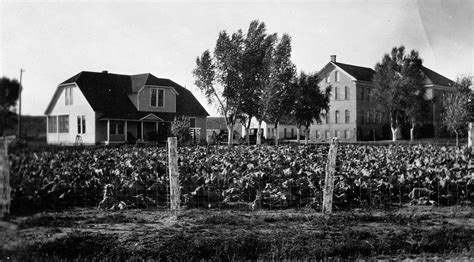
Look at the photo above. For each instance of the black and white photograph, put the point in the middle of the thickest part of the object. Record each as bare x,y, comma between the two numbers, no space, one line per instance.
270,130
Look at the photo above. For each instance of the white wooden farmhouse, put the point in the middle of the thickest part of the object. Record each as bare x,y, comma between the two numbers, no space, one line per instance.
100,107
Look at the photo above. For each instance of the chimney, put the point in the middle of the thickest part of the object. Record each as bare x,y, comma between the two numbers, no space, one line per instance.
105,72
333,58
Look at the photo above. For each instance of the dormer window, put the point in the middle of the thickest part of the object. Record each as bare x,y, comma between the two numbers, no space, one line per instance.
157,98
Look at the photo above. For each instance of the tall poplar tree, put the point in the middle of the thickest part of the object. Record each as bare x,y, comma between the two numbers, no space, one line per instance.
398,87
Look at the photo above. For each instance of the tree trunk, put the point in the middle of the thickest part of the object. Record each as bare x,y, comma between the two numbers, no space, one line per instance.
394,126
247,135
230,136
457,138
247,130
394,133
259,133
277,133
412,131
306,136
298,130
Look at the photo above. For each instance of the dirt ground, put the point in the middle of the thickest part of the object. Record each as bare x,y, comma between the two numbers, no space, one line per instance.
401,233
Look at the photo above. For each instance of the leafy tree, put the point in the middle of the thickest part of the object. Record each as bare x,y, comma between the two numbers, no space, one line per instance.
255,67
309,102
464,83
398,87
9,91
412,82
180,129
279,97
219,77
455,115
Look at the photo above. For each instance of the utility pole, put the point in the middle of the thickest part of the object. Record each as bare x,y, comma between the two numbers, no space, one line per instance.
19,104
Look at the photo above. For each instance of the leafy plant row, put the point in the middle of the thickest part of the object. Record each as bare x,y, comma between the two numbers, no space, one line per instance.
267,176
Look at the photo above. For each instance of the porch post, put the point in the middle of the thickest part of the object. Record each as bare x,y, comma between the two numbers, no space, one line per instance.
126,130
108,130
143,139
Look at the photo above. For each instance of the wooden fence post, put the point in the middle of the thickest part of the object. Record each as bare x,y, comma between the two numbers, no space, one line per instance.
4,181
174,175
329,180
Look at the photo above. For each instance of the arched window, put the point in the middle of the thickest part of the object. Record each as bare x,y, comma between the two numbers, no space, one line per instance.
336,76
348,116
346,93
337,116
336,93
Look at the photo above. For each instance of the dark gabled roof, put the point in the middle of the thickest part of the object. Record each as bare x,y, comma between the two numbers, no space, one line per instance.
436,78
358,72
108,94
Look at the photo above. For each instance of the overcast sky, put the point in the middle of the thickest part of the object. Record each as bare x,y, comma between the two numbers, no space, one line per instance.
56,40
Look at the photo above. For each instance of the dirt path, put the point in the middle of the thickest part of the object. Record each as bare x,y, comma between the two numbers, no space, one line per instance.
231,234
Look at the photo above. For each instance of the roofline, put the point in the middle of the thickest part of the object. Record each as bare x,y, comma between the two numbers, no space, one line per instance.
56,96
159,118
351,76
131,120
338,67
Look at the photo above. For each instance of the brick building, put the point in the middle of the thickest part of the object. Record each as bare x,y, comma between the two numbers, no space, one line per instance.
353,116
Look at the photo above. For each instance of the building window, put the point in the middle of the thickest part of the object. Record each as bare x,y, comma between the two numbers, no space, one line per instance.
327,134
336,93
348,116
192,122
347,134
337,116
52,124
326,116
368,93
336,76
362,94
157,98
368,117
327,79
375,116
318,134
362,117
284,132
68,95
63,124
81,124
116,128
336,133
346,93
292,133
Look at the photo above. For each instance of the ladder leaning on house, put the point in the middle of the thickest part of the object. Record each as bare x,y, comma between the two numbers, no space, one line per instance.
78,141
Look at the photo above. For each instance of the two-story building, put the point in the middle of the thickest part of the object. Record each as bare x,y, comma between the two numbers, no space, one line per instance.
354,116
101,107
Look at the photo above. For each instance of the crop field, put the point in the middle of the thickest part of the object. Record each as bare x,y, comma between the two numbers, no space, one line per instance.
389,201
